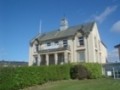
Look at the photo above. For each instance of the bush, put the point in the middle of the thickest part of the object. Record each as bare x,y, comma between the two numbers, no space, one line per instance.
86,70
20,77
95,70
79,72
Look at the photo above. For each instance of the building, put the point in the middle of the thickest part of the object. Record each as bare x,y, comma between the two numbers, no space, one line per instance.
80,43
111,70
118,46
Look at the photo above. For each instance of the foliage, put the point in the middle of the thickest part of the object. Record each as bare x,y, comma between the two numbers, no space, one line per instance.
95,70
79,72
20,77
86,70
16,78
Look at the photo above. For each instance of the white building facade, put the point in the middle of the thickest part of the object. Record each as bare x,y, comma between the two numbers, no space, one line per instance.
81,43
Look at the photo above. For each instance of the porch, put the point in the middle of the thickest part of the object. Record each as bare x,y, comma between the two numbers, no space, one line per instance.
56,58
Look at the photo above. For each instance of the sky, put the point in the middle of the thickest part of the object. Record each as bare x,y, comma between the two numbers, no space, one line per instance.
20,22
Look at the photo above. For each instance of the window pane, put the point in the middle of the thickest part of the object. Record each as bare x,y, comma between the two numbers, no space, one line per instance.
56,42
49,44
81,41
65,42
37,47
81,56
35,60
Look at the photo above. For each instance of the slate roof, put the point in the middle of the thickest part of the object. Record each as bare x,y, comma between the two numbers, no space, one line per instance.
71,31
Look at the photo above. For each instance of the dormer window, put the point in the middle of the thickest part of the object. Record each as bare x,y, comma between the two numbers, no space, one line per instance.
48,44
81,41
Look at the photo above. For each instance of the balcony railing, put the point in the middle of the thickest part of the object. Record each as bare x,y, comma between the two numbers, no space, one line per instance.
65,47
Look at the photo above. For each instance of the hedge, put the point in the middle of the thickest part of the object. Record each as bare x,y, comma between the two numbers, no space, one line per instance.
20,77
95,70
86,71
17,78
79,72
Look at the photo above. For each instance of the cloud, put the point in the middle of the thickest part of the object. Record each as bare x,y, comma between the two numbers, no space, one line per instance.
101,17
116,26
113,56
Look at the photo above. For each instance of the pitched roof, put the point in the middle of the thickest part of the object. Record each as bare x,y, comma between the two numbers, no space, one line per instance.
71,31
117,46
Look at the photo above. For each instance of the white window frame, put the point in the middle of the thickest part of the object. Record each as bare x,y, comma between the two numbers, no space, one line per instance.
81,39
48,44
65,42
79,57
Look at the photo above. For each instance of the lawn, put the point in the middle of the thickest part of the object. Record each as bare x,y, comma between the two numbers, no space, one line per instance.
96,84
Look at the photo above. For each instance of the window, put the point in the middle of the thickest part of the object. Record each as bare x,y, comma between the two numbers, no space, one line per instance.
95,40
81,41
99,46
65,44
96,55
56,42
48,44
81,56
35,60
37,47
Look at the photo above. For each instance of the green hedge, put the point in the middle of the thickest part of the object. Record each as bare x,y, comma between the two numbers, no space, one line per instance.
86,70
20,77
79,72
95,70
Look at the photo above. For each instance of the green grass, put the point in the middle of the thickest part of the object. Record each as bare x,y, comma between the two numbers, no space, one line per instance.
96,84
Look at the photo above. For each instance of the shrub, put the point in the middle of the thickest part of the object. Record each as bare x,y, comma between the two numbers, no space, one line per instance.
86,70
79,72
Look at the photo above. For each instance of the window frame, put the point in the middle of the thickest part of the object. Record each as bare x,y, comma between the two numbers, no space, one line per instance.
36,47
48,43
56,42
65,42
81,41
79,56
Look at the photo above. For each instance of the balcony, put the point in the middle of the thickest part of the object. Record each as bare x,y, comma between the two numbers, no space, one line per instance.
54,49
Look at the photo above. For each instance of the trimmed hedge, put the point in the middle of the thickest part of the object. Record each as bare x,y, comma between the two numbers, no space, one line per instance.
20,77
95,70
